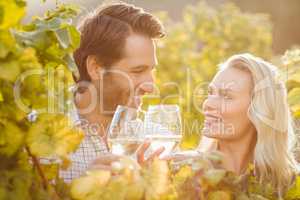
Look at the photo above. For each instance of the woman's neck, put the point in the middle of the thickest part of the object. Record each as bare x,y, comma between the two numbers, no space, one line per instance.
238,153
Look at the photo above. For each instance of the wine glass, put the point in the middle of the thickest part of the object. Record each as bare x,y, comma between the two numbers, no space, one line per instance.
162,126
125,131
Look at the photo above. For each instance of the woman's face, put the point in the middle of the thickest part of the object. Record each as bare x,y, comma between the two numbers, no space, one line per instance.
226,107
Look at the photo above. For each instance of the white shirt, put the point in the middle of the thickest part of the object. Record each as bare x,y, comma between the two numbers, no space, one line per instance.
91,147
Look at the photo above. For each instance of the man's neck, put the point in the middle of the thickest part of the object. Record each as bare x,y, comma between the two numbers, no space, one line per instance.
238,153
93,116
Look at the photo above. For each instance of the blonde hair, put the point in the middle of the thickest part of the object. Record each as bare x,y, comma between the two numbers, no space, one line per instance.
269,112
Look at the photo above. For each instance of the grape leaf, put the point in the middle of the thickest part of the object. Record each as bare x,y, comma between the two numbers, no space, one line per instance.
213,176
53,135
7,43
156,177
85,186
11,13
217,195
11,138
294,191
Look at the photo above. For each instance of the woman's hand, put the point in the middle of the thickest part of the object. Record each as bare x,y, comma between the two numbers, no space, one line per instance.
142,150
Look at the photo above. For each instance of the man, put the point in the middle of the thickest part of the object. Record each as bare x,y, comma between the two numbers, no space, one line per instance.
115,61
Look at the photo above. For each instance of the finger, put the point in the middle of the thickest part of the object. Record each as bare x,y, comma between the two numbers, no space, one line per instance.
106,159
99,167
156,153
141,151
174,158
168,157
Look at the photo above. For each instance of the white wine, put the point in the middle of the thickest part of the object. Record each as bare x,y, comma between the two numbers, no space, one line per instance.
169,142
124,146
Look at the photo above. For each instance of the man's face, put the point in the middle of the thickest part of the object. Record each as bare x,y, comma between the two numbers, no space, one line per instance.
126,81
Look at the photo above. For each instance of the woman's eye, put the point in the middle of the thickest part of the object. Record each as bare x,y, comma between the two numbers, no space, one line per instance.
227,96
209,91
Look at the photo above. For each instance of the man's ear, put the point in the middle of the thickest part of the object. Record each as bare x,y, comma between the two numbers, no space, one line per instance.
93,67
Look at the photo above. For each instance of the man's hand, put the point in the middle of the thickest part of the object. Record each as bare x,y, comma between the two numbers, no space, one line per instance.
105,161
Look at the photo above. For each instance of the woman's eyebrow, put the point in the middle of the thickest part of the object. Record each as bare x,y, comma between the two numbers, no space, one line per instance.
228,89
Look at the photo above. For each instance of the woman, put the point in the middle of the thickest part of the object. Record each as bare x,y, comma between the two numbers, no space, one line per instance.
247,119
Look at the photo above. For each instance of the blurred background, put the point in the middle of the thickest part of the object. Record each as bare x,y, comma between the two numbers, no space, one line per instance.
285,14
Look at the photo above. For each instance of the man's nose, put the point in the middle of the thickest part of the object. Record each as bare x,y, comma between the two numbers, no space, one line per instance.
147,86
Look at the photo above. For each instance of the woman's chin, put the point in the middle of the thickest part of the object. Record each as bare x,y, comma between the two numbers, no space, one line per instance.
216,134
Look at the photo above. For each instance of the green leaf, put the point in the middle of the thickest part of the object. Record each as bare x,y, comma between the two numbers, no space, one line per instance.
156,177
1,96
11,138
85,186
214,176
294,99
63,37
257,197
183,173
295,76
294,191
36,39
71,63
9,70
7,43
1,14
218,195
52,135
68,37
75,36
46,25
242,196
15,183
11,12
51,170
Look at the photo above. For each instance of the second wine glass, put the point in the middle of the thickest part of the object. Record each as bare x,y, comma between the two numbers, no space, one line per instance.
163,127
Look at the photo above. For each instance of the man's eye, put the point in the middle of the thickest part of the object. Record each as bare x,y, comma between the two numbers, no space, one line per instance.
137,71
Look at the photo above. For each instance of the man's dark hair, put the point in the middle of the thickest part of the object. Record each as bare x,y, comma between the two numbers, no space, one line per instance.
104,32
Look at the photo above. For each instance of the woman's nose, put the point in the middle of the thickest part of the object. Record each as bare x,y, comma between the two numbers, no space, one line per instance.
211,103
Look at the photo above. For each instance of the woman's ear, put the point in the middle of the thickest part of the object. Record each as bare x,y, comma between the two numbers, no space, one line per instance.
93,67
